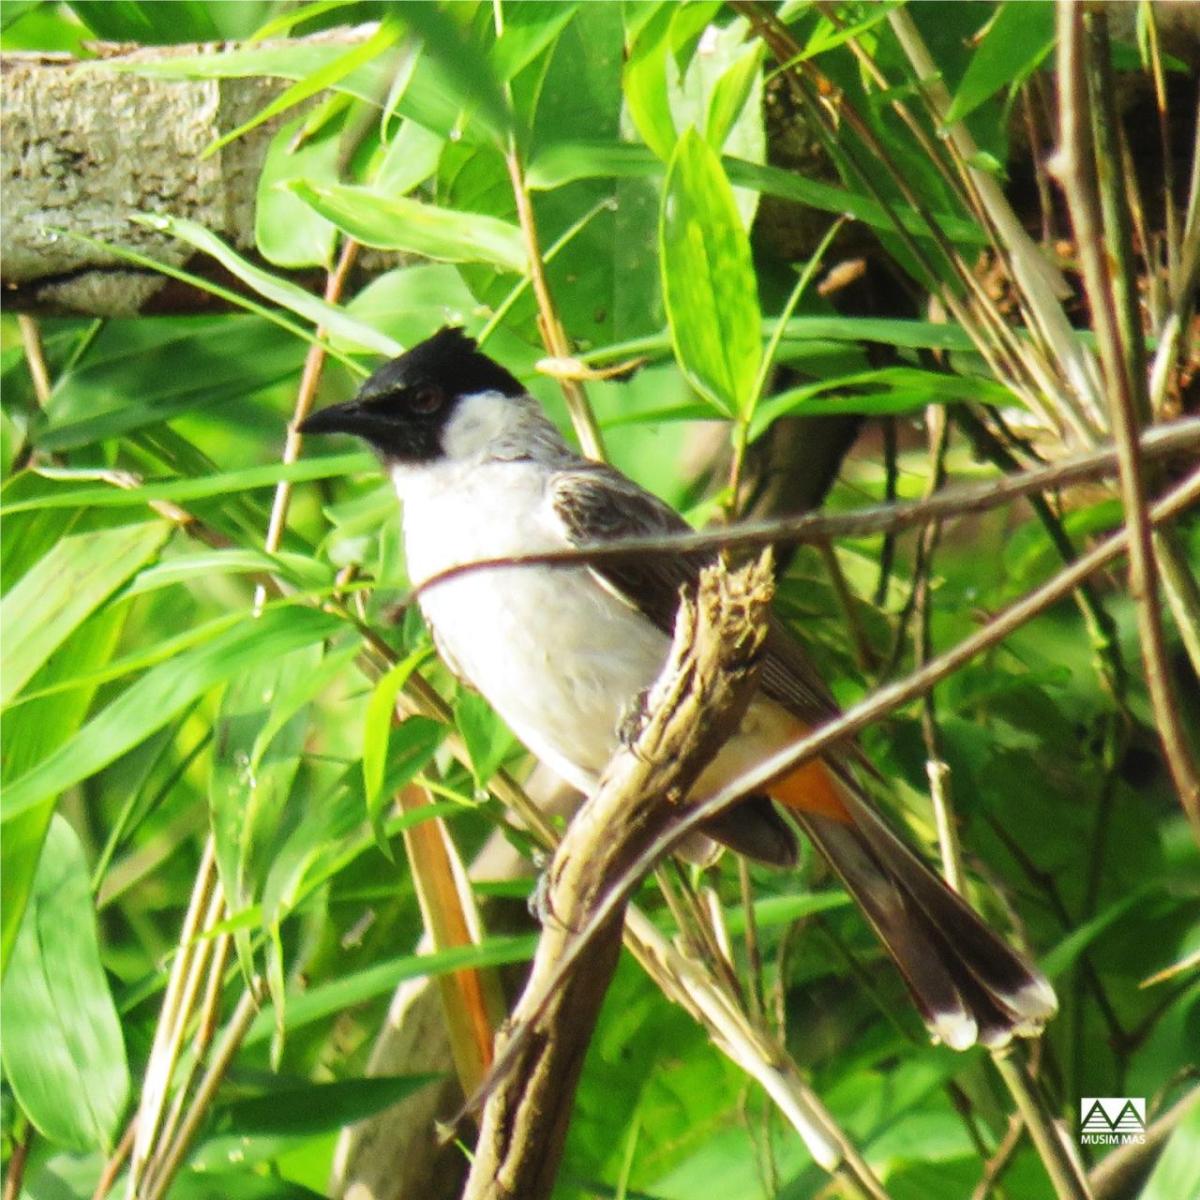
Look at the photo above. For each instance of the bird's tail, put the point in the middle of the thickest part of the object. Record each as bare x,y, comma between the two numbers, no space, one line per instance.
969,985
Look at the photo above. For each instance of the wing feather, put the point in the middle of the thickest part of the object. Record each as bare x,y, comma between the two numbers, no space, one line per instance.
597,504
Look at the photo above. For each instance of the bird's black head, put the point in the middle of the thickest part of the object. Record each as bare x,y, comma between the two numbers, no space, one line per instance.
404,408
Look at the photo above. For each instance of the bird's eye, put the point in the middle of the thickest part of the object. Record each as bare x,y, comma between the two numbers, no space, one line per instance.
426,399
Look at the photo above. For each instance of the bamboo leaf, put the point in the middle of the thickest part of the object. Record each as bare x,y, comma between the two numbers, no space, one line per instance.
400,223
377,728
708,282
63,588
308,1107
182,490
1018,38
64,1055
280,291
158,696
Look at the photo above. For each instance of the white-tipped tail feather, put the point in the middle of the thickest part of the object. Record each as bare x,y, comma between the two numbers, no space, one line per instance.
968,983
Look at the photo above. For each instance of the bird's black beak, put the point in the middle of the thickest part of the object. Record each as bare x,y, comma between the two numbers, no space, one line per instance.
350,417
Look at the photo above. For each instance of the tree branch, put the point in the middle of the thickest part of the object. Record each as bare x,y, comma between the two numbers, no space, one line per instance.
696,703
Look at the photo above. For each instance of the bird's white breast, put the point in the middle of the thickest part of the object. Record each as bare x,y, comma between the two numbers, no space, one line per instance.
558,656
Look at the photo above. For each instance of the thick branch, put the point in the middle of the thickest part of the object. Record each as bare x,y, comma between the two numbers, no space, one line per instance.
86,144
692,708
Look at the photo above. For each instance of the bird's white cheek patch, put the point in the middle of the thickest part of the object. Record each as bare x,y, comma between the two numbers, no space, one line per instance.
477,423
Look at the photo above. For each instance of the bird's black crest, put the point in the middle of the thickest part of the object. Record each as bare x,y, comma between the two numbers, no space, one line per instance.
403,408
450,360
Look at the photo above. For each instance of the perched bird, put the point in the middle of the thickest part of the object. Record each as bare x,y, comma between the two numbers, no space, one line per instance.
562,652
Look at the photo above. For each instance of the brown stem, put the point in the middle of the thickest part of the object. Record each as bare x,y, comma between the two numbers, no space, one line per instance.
553,334
1125,386
306,394
694,706
172,1160
811,527
35,358
15,1175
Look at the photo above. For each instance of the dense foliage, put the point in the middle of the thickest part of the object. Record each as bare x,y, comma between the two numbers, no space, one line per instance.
190,698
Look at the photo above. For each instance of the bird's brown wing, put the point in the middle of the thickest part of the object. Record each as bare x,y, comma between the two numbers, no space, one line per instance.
597,504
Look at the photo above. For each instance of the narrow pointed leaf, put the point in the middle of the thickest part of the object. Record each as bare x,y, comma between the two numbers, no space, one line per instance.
64,1055
399,223
63,588
708,279
151,702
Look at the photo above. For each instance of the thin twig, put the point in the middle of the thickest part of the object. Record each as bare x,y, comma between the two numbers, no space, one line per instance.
997,1163
1066,1176
1039,281
235,1031
168,1033
885,700
14,1177
811,527
554,336
112,1168
306,394
936,767
1100,245
35,357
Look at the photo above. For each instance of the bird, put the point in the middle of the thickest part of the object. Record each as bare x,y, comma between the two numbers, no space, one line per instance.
561,652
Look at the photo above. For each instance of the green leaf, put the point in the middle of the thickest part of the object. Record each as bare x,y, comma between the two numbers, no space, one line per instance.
487,738
300,569
280,291
332,72
252,775
888,390
151,702
464,69
562,162
287,232
529,27
381,978
729,96
377,728
1177,1172
64,1055
68,584
399,223
180,490
1018,38
1074,944
138,373
709,287
409,159
310,1107
646,84
32,730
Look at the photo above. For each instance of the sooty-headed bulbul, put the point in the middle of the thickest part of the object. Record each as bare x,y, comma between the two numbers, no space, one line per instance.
562,652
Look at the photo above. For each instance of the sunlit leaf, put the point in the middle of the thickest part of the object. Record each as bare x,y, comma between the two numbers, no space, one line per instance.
280,291
148,704
182,490
64,1054
1018,38
287,232
709,287
398,223
63,588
